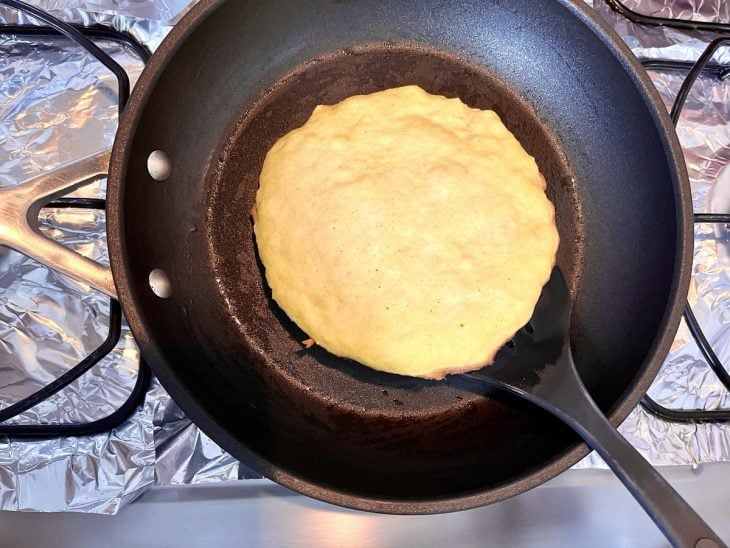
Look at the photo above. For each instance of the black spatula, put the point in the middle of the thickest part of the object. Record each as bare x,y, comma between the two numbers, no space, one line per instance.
539,367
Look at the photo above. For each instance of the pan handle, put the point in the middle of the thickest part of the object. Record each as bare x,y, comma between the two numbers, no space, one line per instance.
19,209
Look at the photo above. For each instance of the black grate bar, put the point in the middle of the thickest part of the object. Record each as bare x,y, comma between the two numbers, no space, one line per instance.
702,65
112,338
683,415
667,65
78,203
108,423
712,218
99,32
694,73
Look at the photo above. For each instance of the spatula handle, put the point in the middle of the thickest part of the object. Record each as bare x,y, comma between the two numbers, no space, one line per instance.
677,520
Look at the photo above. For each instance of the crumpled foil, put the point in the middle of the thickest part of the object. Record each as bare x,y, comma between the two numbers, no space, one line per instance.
57,104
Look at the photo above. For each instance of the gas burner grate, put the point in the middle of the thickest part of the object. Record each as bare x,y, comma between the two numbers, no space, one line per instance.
721,72
82,36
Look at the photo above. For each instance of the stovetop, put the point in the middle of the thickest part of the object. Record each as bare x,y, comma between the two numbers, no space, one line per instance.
57,104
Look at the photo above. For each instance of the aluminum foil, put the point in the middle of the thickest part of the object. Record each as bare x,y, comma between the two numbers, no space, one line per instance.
56,105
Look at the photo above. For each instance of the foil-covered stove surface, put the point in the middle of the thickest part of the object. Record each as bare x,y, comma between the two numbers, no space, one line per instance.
57,104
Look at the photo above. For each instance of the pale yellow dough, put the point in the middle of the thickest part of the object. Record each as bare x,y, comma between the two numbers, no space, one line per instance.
406,231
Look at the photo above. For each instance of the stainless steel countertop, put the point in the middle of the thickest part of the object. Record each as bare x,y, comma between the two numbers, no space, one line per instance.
579,508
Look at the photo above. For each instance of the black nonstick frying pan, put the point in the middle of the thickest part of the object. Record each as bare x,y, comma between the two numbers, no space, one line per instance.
233,77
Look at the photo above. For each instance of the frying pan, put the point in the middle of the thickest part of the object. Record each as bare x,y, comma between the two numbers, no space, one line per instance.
230,79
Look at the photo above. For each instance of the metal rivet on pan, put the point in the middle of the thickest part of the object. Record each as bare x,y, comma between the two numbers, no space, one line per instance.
158,165
160,283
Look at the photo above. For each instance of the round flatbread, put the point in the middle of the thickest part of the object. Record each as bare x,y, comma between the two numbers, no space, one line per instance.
406,231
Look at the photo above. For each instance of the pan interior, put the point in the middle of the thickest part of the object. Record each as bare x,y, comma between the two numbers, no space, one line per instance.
390,415
287,105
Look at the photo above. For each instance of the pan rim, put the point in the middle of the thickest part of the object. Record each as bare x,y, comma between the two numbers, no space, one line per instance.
627,402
